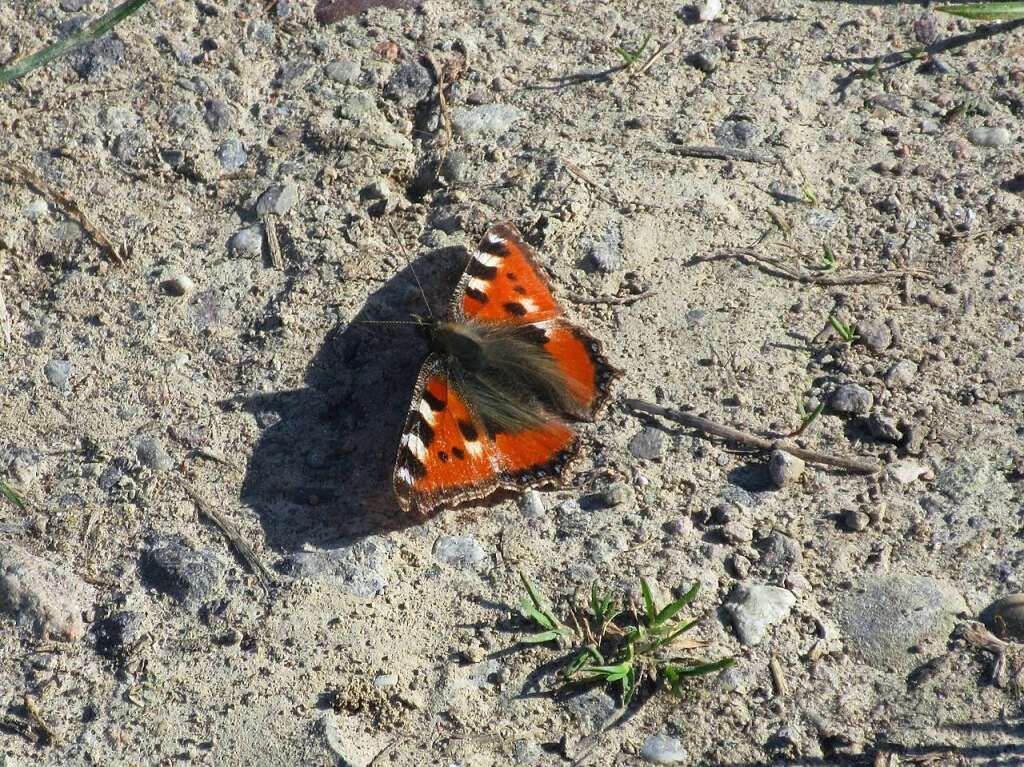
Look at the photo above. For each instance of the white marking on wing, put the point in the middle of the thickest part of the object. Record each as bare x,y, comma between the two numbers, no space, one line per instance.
427,413
474,448
495,239
403,475
486,259
528,304
475,284
415,445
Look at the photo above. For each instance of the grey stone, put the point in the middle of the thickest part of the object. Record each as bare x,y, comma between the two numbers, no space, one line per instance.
648,443
151,453
68,231
460,551
754,608
73,6
46,598
901,374
856,520
277,199
132,146
247,242
592,709
93,60
116,634
261,30
358,569
36,209
294,72
455,167
182,116
532,504
1005,617
409,85
884,428
231,154
706,60
851,399
178,285
218,115
740,134
605,250
357,106
618,494
526,751
784,468
780,552
875,335
963,479
661,749
737,532
346,72
489,119
187,574
884,618
989,137
822,219
117,119
58,373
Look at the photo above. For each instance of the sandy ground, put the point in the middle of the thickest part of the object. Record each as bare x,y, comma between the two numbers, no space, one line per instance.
191,362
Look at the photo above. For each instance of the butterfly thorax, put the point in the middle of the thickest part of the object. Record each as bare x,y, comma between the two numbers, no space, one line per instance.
504,372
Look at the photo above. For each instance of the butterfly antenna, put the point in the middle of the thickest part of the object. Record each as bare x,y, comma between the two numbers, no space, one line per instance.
408,259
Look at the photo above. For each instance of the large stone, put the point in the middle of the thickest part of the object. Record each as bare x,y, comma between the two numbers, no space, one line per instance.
45,597
358,569
884,617
755,607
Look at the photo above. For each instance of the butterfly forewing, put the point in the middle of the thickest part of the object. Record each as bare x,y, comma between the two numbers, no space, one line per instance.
504,282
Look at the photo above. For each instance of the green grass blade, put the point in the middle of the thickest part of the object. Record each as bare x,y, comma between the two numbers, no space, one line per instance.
670,610
68,44
1008,11
649,606
544,636
700,668
12,495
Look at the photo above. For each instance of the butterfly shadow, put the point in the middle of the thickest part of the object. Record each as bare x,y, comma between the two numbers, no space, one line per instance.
320,472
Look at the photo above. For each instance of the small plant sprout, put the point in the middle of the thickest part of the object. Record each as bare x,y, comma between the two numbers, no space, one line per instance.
806,419
632,57
1009,10
845,331
626,649
829,261
12,495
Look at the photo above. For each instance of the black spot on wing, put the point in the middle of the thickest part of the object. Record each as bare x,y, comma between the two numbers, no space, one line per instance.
469,431
413,464
496,247
457,452
425,431
434,403
520,290
512,276
476,295
480,270
443,456
515,308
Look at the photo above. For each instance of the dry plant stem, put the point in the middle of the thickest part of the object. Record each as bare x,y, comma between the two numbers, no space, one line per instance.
855,465
775,268
706,152
442,100
654,57
5,320
20,726
239,544
62,200
36,717
602,193
270,227
778,678
611,300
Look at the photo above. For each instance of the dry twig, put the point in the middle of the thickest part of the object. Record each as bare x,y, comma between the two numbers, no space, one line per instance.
855,465
270,227
5,319
778,677
610,300
776,268
60,199
239,544
707,152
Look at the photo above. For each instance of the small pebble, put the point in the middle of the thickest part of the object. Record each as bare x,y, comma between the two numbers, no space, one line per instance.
875,335
346,72
178,285
58,373
459,551
709,10
739,134
855,520
218,115
489,119
116,634
648,443
409,85
884,428
755,608
661,749
737,532
174,567
784,468
617,494
46,598
1005,617
36,209
247,242
605,249
851,399
277,199
231,154
989,137
532,504
152,454
900,375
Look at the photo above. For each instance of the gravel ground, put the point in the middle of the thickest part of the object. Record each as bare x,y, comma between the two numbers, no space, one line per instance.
197,211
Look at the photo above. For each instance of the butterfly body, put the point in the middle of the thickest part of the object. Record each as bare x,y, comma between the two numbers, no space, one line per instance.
506,374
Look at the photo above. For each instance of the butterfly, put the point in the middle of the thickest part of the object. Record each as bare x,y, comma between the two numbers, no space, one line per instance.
506,374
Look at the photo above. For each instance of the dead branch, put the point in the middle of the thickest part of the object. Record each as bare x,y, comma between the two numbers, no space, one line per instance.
708,152
776,268
609,300
855,465
239,544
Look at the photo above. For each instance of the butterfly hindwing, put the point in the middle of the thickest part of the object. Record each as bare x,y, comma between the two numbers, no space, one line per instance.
446,456
580,357
504,282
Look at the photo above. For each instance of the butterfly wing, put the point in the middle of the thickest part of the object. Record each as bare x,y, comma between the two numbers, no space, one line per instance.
580,357
504,282
446,456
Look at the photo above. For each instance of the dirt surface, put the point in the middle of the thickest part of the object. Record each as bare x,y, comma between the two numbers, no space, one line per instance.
194,359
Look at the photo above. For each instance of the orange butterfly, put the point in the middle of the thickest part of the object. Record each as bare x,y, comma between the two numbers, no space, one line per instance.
506,373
